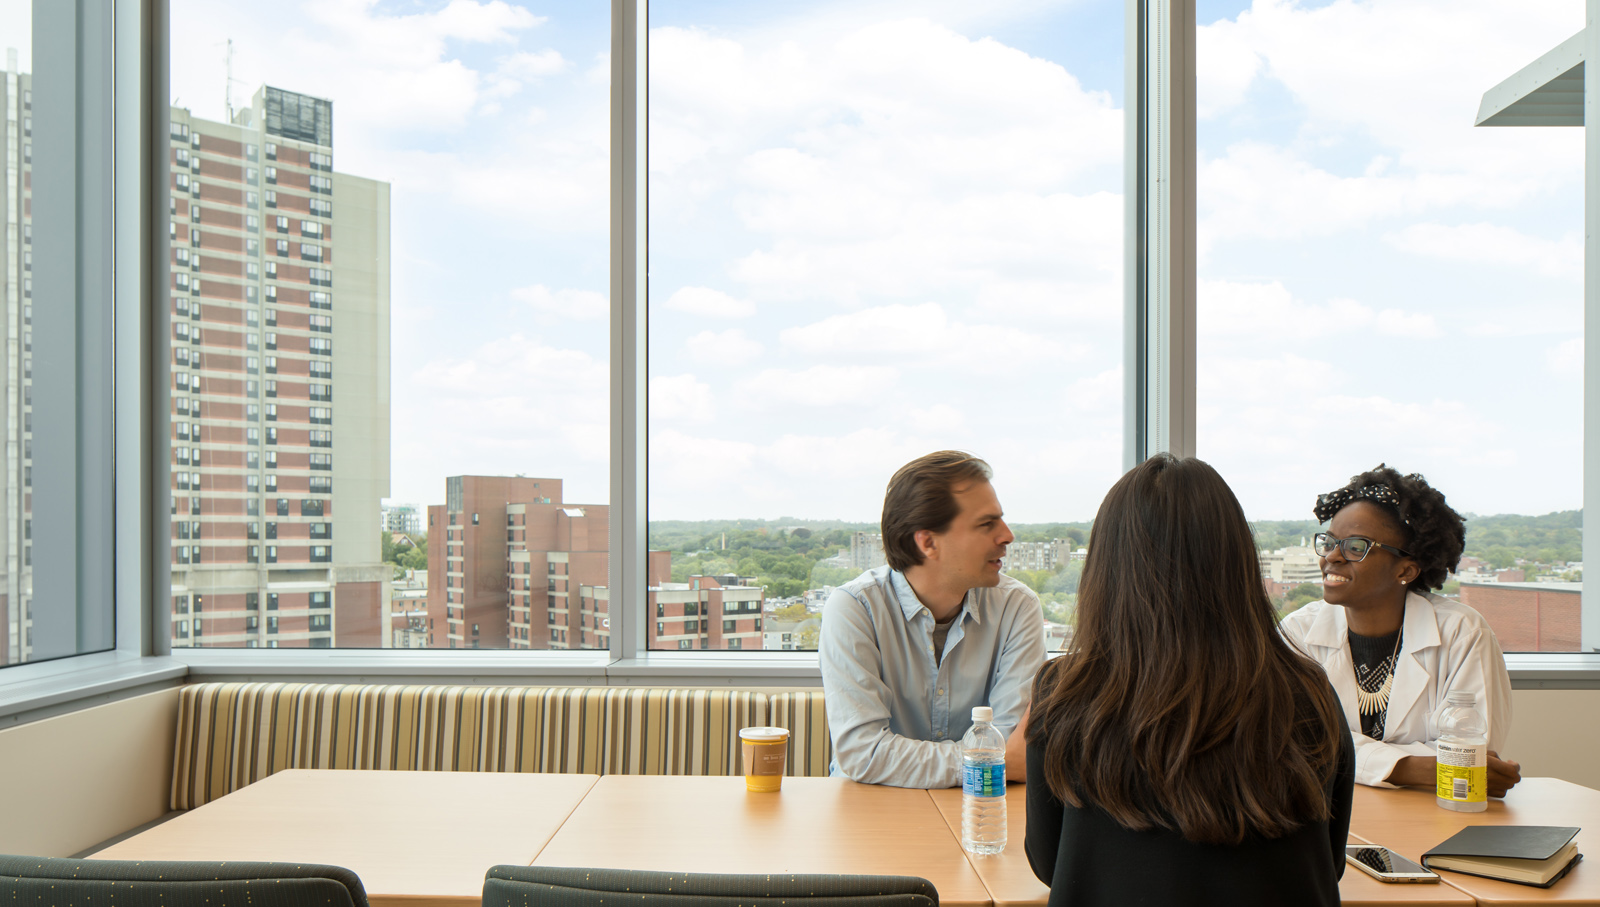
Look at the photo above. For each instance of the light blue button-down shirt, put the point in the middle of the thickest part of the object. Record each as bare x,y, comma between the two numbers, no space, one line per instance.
896,715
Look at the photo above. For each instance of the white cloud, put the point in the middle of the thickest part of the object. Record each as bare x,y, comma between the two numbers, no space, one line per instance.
679,399
527,65
842,476
921,332
886,160
1487,243
1225,64
723,348
705,302
940,418
1266,312
1258,190
1566,358
844,386
471,414
582,305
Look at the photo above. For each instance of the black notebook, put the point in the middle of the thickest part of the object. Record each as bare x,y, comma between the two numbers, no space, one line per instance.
1535,855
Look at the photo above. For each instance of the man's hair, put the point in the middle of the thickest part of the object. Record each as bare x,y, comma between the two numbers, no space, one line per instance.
921,495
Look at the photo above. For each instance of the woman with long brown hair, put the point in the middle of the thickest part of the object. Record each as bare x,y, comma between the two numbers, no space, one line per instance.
1182,752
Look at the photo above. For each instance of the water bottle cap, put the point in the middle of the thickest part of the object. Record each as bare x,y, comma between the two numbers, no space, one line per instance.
1460,697
982,713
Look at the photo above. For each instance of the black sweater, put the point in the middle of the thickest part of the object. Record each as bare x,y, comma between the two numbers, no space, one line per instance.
1087,859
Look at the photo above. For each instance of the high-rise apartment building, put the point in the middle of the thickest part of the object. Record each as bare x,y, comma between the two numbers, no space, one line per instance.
866,550
280,397
16,366
402,518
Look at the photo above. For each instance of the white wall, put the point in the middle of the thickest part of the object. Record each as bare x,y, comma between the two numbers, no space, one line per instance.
75,780
1557,733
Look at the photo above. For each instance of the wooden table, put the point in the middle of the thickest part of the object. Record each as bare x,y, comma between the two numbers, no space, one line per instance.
425,839
712,824
1011,882
1408,822
416,839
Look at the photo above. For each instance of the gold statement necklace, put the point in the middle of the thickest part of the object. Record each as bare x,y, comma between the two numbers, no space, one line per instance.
1375,701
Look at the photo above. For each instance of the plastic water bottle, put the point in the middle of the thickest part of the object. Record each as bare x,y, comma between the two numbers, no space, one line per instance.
1462,755
983,785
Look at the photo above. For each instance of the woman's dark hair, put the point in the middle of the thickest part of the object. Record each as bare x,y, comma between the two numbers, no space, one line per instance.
921,495
1434,533
1179,706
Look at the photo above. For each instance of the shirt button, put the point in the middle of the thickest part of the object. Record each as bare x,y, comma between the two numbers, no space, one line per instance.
941,692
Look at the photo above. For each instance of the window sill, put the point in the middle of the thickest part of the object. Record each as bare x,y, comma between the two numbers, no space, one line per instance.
29,692
543,667
767,669
1554,670
456,666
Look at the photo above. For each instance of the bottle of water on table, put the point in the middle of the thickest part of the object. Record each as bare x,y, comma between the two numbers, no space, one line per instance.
983,785
1462,752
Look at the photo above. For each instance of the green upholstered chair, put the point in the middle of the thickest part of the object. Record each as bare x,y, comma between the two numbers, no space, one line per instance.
554,886
48,882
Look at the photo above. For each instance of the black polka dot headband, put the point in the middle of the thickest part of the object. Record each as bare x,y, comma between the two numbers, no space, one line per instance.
1331,503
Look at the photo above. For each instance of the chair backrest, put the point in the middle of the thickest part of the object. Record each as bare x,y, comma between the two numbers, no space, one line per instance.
557,886
50,882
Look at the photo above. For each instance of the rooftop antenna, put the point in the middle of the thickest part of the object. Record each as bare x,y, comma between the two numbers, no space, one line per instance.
227,90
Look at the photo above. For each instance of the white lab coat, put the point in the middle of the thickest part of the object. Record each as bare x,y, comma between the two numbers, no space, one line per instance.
1446,646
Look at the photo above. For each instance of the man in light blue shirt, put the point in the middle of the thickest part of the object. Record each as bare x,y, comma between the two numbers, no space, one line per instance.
909,648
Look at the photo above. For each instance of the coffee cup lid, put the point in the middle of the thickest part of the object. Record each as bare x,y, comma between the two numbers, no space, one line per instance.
764,733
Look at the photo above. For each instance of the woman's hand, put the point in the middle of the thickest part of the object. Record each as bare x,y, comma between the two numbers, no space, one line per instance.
1422,771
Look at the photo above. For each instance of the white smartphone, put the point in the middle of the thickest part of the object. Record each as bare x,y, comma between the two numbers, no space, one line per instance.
1385,865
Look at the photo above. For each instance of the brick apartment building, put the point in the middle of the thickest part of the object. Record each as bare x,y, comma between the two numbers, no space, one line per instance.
706,612
1530,617
511,564
280,399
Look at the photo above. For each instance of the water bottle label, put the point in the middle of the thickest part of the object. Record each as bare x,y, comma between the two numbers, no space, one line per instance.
984,780
1463,772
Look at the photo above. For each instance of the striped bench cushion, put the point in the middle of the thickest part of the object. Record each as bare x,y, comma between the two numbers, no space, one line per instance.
233,734
810,744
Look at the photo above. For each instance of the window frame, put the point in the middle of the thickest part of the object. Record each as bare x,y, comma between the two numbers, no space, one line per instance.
1159,391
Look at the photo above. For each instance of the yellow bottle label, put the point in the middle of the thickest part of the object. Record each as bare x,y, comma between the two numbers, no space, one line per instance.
1463,772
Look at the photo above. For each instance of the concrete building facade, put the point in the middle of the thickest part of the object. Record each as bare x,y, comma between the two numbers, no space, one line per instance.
16,372
279,305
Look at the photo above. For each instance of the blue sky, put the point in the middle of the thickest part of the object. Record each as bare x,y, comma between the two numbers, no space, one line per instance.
879,228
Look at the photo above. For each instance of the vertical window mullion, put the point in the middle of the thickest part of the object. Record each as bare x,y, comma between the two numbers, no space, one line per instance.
1159,364
627,577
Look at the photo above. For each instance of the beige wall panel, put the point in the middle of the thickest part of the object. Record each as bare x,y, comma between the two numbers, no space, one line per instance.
77,779
1556,733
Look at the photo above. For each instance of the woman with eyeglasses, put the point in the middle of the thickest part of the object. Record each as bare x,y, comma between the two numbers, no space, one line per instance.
1183,752
1392,649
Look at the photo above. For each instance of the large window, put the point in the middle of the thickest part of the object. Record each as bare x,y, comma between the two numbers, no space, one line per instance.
433,301
428,376
875,231
1381,281
56,321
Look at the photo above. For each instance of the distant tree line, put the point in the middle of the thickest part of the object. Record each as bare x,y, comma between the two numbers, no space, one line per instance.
1499,540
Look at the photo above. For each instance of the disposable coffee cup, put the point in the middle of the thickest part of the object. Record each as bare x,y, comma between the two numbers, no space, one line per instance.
765,750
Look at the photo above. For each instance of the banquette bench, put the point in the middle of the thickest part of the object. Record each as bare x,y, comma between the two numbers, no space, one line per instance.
232,734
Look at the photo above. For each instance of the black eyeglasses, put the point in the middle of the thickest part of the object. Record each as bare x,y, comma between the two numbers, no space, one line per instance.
1355,548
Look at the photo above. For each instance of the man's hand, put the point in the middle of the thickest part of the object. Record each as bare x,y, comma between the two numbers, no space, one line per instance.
1421,771
1017,750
